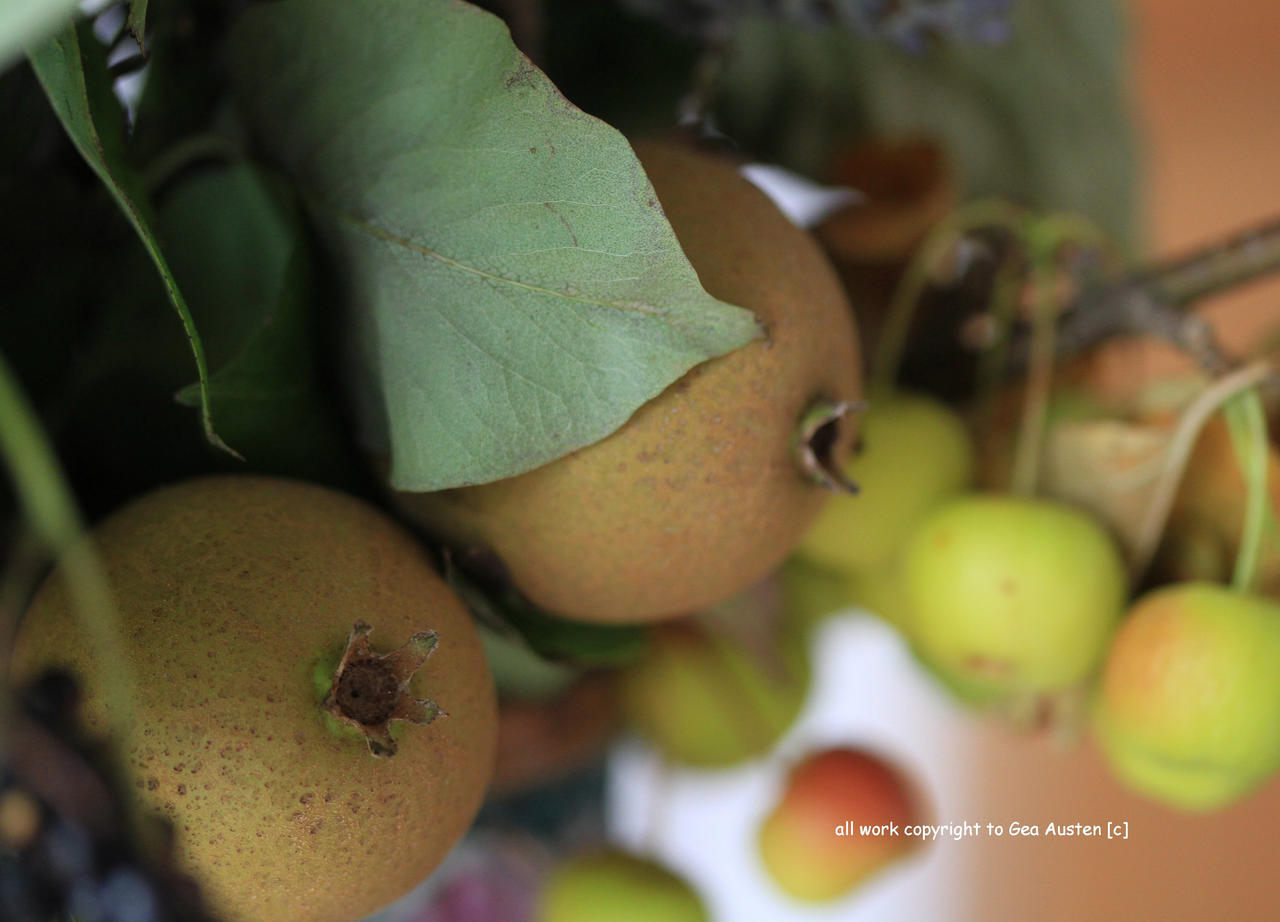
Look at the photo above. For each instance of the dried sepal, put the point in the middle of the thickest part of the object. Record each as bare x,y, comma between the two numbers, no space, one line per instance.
815,442
370,690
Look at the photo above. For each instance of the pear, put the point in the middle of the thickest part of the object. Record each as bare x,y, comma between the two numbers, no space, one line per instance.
1189,708
700,493
811,842
614,886
311,709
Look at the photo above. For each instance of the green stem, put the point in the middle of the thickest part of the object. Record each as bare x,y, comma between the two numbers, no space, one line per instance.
1248,426
1185,434
1044,239
1026,459
994,214
52,515
1006,288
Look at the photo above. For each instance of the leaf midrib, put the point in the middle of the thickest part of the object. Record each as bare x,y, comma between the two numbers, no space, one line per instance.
380,233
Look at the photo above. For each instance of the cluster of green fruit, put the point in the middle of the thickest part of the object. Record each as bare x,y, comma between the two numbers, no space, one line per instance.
1020,602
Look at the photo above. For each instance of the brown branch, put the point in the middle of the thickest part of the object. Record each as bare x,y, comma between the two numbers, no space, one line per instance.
1154,300
1240,258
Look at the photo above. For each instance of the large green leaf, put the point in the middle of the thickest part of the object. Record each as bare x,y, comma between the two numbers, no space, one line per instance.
72,69
517,292
1042,118
26,21
236,246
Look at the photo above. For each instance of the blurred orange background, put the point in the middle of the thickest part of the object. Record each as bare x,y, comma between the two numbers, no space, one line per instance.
1206,82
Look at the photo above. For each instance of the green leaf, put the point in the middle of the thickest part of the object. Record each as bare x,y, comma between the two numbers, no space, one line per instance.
516,291
1042,119
50,512
137,23
235,244
596,645
25,21
556,639
72,69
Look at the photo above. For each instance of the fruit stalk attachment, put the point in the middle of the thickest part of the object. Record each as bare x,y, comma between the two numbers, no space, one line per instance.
371,690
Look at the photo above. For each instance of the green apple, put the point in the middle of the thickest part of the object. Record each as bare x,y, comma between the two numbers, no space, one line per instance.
706,700
915,452
813,592
811,843
1012,597
613,886
1189,707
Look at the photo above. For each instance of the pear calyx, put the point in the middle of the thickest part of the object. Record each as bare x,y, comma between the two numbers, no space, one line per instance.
371,690
816,440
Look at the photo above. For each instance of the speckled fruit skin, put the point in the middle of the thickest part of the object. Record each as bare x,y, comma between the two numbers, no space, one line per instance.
1189,708
1009,596
697,496
706,702
915,453
230,590
798,840
613,886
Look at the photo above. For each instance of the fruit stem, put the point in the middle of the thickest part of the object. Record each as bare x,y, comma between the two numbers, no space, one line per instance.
1185,435
50,511
1248,426
1006,287
815,442
1044,238
985,214
1026,464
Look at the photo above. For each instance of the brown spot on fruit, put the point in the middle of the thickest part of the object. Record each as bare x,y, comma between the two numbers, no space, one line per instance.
977,664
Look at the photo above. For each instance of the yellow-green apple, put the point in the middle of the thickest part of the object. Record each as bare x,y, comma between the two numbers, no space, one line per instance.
614,886
1012,597
1189,706
707,700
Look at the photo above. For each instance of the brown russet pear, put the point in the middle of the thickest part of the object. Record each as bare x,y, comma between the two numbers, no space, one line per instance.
702,492
311,708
